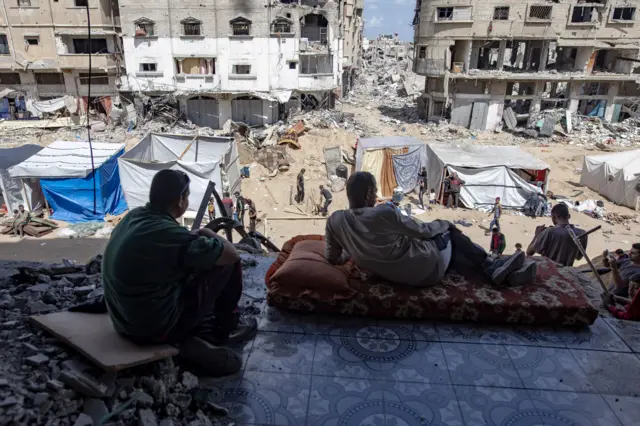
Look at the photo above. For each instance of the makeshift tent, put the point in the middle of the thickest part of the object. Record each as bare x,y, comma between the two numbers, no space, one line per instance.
615,176
14,192
394,161
66,176
203,158
489,172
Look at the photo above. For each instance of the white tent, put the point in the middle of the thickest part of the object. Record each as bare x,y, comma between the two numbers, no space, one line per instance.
13,191
489,172
203,158
615,176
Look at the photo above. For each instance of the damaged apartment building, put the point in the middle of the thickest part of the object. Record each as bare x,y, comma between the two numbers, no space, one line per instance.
480,58
250,61
44,55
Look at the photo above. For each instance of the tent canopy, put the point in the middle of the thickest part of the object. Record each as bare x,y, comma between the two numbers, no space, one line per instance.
204,159
12,190
615,176
489,172
381,142
62,159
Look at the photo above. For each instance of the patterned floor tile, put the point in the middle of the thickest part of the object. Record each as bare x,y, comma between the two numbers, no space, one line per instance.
287,322
269,399
481,406
598,336
282,353
572,409
538,336
629,331
480,365
421,404
611,373
626,408
342,401
367,356
549,368
345,325
494,335
417,330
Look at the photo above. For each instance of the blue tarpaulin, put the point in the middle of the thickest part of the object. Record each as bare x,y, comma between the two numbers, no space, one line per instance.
72,199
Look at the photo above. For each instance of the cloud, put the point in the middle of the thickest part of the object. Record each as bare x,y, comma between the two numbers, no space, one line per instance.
401,2
373,7
375,22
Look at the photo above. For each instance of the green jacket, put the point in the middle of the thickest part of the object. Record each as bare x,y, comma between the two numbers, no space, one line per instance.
146,263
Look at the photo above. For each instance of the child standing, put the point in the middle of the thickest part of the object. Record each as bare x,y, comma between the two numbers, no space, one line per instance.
432,196
497,213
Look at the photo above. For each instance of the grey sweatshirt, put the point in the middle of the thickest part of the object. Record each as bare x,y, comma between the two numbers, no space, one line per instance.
383,241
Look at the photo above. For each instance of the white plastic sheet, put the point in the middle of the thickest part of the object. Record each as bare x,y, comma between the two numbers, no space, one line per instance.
615,176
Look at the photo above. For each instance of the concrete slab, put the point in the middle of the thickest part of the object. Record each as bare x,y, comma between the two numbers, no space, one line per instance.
93,335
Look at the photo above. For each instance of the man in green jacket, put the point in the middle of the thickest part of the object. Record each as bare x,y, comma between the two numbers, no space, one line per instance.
163,284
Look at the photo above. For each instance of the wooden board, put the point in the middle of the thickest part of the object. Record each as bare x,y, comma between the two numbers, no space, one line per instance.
93,335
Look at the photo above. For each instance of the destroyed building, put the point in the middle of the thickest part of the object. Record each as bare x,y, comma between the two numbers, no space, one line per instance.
44,53
481,58
248,61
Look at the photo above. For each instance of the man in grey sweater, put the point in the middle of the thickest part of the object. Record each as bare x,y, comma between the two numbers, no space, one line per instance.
399,249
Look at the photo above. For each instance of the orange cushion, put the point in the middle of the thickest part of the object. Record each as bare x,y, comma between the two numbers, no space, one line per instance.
306,272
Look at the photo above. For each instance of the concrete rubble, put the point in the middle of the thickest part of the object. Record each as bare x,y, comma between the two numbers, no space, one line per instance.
43,382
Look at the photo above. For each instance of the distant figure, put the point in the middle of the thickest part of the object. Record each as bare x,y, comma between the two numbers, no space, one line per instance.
328,198
422,180
212,209
300,187
518,247
623,270
432,196
227,202
240,206
555,242
631,310
253,215
498,242
497,213
455,183
621,255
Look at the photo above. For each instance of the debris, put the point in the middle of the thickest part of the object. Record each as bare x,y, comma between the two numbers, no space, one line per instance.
37,360
83,383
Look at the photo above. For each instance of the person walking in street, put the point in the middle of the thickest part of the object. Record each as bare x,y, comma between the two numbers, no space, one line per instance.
328,198
497,213
455,183
240,206
422,181
227,202
300,187
253,215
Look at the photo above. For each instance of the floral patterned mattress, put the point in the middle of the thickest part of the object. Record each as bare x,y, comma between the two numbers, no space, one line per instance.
554,299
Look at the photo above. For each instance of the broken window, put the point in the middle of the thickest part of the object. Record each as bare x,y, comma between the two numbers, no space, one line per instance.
623,13
196,66
96,78
191,27
32,40
145,28
584,14
459,13
9,78
82,3
595,88
242,69
293,65
148,67
445,13
240,27
422,53
316,64
501,13
281,25
4,45
540,12
314,28
24,3
49,78
95,45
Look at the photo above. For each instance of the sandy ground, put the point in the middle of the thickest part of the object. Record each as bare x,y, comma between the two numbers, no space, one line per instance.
565,161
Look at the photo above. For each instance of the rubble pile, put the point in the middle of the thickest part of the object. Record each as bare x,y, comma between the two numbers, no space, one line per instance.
42,382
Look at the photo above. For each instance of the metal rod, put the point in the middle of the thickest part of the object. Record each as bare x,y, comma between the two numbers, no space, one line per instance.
584,254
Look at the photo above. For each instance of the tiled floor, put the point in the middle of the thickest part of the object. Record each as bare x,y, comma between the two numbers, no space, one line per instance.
312,370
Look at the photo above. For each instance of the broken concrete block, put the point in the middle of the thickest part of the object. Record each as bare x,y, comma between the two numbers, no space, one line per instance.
166,422
39,288
396,78
82,383
40,398
39,307
147,417
145,400
189,380
96,409
37,360
76,279
55,384
84,420
8,401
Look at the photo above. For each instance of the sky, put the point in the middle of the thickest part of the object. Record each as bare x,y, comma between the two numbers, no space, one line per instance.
388,17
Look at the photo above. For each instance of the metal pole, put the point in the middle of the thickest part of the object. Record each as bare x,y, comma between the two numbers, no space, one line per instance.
584,253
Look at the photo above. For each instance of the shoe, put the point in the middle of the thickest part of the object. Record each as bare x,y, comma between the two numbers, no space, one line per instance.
523,276
513,263
243,329
246,329
216,361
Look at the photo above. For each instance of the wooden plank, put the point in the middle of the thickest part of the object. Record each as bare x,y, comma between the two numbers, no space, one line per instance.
93,335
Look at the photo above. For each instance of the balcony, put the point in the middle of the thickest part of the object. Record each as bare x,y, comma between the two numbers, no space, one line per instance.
81,61
51,89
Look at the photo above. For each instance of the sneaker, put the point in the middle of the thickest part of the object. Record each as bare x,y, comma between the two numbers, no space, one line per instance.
513,263
216,361
246,329
523,276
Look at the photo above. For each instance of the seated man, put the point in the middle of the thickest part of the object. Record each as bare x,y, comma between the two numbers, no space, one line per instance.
555,242
163,283
623,269
402,250
631,310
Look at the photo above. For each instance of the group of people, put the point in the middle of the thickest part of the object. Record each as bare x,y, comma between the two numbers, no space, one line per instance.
21,219
235,210
165,284
324,193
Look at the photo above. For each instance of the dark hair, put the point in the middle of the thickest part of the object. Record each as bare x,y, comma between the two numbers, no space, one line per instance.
302,170
321,186
636,246
226,194
433,190
167,187
359,186
619,251
495,229
561,210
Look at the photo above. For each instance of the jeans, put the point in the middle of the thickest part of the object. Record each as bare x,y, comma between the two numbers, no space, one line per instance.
465,253
421,196
495,222
495,265
300,195
452,196
325,208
